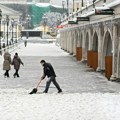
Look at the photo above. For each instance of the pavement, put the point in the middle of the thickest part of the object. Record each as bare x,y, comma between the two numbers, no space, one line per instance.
72,75
87,95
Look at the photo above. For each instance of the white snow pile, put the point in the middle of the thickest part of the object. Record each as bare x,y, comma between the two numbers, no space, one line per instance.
17,104
46,5
42,4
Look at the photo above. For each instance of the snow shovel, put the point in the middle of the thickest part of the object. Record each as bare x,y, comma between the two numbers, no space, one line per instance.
35,89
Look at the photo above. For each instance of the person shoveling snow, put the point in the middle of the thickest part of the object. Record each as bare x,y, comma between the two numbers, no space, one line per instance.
49,72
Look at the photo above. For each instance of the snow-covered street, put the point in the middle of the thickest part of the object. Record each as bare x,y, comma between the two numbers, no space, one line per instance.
87,95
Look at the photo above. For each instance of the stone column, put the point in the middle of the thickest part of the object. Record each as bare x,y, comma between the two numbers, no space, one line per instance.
69,42
115,52
67,37
64,40
71,39
118,64
83,47
75,45
100,39
90,40
61,39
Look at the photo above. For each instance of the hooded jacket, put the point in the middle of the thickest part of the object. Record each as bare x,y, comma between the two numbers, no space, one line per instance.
7,61
16,62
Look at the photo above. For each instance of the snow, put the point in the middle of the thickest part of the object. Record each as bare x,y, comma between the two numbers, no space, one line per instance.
18,105
42,4
46,5
86,95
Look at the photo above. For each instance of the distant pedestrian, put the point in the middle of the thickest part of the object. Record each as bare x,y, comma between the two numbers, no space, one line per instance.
49,72
6,63
27,34
25,42
16,62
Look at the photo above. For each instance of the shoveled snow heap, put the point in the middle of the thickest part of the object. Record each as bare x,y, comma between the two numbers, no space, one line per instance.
19,105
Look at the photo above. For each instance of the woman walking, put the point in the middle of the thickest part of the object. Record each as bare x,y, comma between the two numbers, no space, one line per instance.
6,63
16,62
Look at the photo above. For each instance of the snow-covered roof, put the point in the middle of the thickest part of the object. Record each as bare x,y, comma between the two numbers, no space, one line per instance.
42,4
46,5
8,11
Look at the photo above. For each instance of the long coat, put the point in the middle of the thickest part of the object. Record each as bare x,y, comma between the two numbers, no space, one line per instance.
16,62
7,61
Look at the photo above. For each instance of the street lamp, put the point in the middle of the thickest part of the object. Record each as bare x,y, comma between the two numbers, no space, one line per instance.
4,22
67,8
44,21
94,3
28,21
12,24
15,24
7,20
0,31
63,4
73,6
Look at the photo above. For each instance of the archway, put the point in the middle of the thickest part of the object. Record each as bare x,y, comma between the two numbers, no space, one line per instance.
95,42
94,52
107,54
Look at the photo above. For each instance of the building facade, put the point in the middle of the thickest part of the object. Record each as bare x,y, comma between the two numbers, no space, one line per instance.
96,41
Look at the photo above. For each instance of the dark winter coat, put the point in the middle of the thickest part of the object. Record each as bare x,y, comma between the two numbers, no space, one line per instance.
7,61
48,70
16,62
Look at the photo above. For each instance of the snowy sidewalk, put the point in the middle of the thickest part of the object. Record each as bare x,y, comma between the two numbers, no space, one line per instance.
87,95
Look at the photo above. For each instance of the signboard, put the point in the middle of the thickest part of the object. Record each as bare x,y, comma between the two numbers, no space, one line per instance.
104,12
72,22
83,19
59,26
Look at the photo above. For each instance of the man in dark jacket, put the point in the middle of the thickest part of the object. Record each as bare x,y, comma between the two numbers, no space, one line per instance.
49,72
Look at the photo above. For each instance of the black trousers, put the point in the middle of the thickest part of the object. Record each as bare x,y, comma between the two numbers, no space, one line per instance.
16,73
6,73
52,79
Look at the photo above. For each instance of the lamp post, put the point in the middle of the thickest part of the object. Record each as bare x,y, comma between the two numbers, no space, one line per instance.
7,20
63,4
12,24
82,4
67,8
15,24
4,22
28,21
73,6
94,3
44,21
0,31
